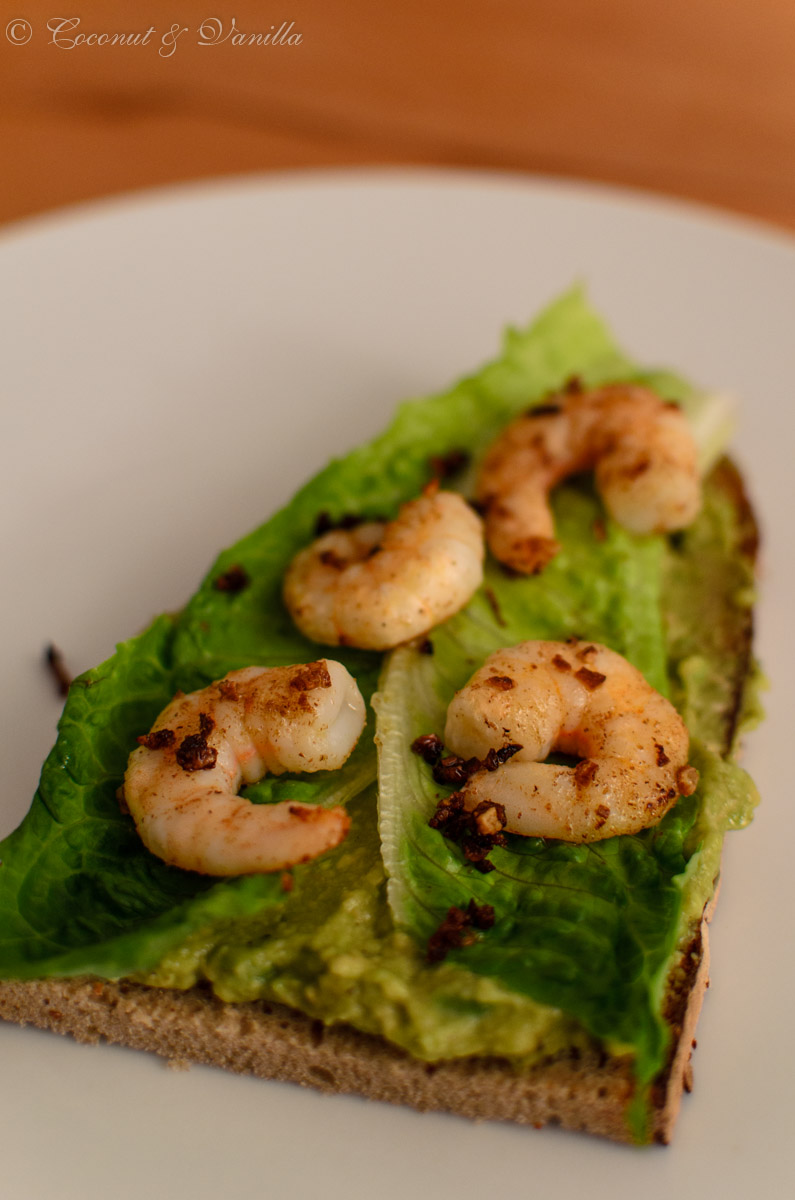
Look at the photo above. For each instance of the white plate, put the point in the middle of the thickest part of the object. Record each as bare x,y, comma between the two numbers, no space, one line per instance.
173,366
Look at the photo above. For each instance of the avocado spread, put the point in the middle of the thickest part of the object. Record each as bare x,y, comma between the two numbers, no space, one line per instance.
584,936
333,949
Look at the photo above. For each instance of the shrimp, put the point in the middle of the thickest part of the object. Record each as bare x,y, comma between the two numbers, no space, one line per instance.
181,783
580,699
377,585
640,447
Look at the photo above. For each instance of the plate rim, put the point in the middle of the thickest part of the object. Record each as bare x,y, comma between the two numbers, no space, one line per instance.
603,193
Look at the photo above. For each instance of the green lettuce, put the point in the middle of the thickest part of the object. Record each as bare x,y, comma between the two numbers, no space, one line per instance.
590,928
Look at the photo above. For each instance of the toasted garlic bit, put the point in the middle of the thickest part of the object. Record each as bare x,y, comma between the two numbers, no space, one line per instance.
581,699
640,447
378,585
181,784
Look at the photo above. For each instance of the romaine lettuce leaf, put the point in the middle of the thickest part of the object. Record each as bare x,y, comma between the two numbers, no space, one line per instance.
587,928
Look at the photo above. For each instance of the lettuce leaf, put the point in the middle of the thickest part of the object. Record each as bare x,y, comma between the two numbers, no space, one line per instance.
586,928
78,892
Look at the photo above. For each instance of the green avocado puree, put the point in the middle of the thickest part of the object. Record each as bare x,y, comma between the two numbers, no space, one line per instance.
333,951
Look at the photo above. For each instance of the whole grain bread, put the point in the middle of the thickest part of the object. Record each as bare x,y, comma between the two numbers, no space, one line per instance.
581,1091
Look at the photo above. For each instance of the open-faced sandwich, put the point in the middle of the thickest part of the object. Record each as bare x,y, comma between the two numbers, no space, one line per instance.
422,795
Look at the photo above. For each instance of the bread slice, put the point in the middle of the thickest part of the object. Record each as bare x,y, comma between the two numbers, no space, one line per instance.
579,1090
586,1091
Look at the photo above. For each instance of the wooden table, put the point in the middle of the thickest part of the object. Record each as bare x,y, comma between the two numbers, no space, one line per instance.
693,98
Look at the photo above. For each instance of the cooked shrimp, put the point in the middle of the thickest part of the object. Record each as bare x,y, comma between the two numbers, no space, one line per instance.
640,447
181,784
579,699
378,585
